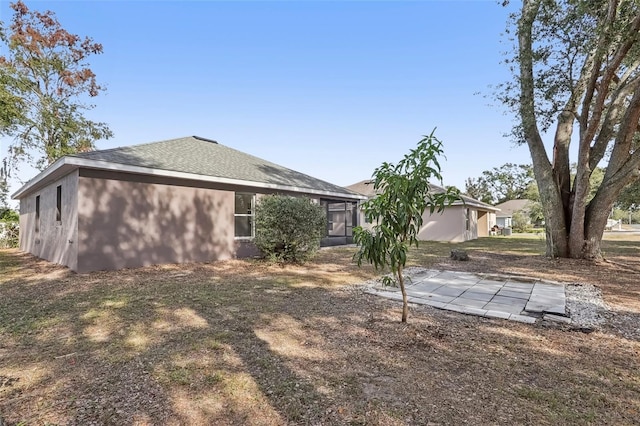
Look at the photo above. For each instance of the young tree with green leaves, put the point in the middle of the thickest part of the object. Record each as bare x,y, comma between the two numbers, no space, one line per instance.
404,194
576,66
46,83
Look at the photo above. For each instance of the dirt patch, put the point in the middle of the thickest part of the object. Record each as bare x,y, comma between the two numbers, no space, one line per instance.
244,342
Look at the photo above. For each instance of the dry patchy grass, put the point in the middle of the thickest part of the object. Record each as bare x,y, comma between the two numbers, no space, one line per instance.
245,342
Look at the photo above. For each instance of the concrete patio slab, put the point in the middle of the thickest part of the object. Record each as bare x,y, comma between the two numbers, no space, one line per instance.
437,298
473,311
515,294
511,301
522,318
445,290
492,296
424,290
476,294
468,302
497,314
559,309
500,307
519,286
480,289
433,303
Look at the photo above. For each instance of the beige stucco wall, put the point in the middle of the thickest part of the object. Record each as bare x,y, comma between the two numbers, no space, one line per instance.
486,220
124,223
449,225
54,241
492,219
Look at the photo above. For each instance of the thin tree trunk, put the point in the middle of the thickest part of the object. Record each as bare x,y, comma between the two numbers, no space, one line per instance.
405,304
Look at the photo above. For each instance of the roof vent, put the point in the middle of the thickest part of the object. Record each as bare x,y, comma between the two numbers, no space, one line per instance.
200,138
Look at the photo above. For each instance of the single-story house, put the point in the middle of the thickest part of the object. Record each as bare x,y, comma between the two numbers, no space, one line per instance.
181,200
466,219
504,219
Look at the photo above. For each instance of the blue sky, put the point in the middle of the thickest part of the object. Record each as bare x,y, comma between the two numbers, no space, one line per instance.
328,88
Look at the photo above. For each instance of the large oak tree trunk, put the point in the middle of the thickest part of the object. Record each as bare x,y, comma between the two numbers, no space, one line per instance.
550,195
604,101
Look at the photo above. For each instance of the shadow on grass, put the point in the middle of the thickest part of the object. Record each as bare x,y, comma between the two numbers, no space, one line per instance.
251,343
175,342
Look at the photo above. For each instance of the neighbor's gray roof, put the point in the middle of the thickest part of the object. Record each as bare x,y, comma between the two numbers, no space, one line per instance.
195,155
365,187
508,208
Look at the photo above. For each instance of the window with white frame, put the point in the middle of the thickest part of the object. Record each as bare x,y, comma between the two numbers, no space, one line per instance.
244,215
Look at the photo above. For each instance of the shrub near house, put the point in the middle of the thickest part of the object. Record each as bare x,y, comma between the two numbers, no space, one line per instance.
520,222
289,229
8,228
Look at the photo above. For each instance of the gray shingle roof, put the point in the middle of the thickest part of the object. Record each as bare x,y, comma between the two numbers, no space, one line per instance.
193,154
508,208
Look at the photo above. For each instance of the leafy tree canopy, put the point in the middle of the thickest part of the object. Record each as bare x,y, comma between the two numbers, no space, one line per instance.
576,65
629,198
500,184
45,85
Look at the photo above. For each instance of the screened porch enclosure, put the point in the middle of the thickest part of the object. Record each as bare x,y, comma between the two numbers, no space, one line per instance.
342,216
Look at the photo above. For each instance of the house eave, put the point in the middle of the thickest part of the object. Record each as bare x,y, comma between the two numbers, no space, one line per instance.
66,165
52,173
481,206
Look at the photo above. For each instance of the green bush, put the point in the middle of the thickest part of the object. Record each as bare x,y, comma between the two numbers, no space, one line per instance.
520,222
9,215
8,234
289,229
623,215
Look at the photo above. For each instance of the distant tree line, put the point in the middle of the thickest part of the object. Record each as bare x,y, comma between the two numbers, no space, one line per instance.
517,182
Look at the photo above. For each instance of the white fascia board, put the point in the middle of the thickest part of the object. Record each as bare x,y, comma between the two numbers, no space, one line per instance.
116,167
40,177
477,205
484,207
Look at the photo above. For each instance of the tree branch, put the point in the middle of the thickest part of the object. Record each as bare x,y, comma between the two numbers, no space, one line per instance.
612,118
608,74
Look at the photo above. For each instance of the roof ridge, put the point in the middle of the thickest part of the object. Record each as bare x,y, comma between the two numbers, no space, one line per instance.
80,154
200,138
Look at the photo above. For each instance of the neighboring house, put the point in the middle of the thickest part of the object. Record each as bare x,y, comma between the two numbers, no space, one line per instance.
464,220
504,219
181,200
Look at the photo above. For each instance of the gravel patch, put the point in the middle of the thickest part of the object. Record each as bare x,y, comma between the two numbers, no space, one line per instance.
585,305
